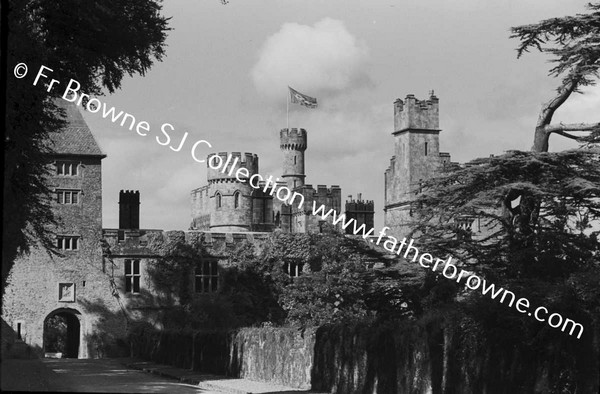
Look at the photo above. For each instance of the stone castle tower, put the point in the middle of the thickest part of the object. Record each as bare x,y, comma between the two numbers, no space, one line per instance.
293,144
226,204
232,198
416,157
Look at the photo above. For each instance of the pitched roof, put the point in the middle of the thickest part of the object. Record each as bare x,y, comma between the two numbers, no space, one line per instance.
75,138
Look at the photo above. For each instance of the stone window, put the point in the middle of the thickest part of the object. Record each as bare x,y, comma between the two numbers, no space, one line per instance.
293,269
67,196
67,168
206,276
132,276
294,159
67,243
236,199
218,200
426,149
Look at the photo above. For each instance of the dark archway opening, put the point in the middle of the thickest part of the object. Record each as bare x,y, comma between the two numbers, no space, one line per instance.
61,334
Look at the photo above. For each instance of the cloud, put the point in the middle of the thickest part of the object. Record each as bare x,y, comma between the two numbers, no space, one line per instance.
319,60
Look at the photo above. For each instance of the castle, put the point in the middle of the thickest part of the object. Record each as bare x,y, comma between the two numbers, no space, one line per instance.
101,281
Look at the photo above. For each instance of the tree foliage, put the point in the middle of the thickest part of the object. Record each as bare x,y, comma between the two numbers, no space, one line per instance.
552,234
573,42
96,43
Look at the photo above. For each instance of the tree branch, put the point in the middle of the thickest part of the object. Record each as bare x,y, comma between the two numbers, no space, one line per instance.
573,137
572,127
551,106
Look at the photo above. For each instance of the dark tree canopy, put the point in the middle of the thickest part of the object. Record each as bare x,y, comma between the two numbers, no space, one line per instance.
559,201
573,42
95,42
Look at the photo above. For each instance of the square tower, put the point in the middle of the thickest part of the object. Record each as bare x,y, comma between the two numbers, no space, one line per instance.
416,157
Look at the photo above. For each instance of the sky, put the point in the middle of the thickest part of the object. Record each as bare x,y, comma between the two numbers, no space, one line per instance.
227,67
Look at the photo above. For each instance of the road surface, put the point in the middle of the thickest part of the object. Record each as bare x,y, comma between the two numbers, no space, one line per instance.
73,375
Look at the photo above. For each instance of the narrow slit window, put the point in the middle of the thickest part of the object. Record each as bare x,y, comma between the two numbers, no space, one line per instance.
236,199
426,149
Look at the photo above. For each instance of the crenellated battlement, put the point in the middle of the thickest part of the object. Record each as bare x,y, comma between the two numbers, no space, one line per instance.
227,165
359,205
416,114
293,139
323,190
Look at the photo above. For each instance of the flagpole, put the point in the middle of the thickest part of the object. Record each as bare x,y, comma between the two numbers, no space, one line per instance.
287,101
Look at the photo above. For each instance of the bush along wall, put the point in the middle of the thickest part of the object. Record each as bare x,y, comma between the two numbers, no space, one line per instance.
439,353
451,353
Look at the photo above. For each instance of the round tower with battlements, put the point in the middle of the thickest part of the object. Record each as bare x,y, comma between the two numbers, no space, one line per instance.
230,199
293,145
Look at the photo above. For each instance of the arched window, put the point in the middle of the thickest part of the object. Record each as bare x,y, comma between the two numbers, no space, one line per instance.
236,199
218,199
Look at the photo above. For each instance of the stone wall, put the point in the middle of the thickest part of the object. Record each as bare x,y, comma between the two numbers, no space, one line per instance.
436,354
277,355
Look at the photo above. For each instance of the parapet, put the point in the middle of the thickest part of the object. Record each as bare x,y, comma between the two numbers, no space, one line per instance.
416,114
367,206
295,139
230,163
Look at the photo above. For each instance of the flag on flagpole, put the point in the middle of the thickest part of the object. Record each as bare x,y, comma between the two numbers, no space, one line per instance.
302,99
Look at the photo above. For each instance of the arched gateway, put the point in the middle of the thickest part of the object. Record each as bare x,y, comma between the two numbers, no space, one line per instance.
62,333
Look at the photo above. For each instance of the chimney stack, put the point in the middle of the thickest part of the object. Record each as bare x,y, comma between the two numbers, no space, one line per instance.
129,210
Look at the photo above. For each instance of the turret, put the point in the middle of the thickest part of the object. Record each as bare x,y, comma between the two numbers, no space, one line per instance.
225,166
230,201
293,144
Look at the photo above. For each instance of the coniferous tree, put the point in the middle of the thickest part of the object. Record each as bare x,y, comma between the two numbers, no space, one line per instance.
574,44
530,221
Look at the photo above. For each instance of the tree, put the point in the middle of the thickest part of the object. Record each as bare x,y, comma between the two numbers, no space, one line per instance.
94,42
539,219
574,43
